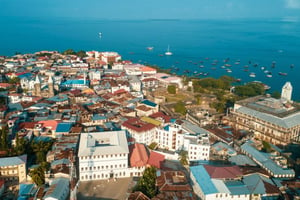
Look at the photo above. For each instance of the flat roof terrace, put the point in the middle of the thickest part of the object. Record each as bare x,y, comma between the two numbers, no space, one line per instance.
270,105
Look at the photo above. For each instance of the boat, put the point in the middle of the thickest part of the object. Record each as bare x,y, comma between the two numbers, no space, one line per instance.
100,35
168,52
252,74
282,73
228,70
150,48
269,75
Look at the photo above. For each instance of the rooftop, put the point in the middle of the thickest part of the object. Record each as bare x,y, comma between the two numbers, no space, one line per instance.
103,143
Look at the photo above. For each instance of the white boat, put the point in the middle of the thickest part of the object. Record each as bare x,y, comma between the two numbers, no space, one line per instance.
100,35
150,48
168,52
252,74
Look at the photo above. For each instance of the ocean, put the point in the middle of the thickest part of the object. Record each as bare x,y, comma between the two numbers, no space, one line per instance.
199,47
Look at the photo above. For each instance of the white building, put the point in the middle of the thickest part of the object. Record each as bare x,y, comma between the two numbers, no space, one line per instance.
197,146
135,83
103,155
142,132
110,57
173,138
94,75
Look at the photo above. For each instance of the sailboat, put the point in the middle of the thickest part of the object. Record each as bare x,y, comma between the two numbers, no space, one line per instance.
168,52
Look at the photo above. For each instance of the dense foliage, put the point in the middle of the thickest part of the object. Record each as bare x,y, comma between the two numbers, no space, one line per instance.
223,82
80,53
180,108
147,183
249,90
171,89
183,157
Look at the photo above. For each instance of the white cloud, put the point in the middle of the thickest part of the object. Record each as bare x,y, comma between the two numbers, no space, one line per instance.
294,4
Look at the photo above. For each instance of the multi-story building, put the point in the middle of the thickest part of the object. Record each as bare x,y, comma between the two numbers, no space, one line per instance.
103,155
273,120
13,169
175,137
141,131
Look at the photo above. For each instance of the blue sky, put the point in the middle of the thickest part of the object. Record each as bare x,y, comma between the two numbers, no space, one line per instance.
151,9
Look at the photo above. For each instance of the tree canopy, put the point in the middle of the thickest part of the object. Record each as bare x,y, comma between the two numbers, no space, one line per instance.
180,108
171,89
147,183
249,90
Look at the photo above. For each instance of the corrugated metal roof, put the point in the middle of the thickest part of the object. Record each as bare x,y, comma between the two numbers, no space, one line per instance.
264,160
286,122
9,161
203,179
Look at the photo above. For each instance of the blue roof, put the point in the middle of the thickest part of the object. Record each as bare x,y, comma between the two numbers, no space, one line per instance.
60,162
17,160
203,179
75,82
26,190
26,75
59,98
98,117
149,103
63,127
42,139
15,106
166,128
57,188
237,187
264,160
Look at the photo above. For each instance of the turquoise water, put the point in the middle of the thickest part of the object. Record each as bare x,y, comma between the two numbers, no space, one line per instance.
193,43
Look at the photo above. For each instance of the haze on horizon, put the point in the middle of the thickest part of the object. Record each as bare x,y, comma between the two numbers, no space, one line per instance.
151,9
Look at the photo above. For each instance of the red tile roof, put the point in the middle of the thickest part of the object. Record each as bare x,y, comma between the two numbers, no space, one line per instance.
147,69
49,123
138,155
137,125
5,85
172,181
27,125
161,115
156,159
137,196
229,172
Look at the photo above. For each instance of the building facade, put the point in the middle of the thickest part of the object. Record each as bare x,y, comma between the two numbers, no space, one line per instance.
103,155
268,118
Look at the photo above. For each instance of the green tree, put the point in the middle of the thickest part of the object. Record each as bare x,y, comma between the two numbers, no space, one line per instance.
21,144
38,175
14,80
4,138
147,183
40,150
153,146
276,95
180,108
249,90
81,54
171,89
69,52
183,157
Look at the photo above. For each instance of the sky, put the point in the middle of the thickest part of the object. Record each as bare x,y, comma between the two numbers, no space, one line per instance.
151,9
